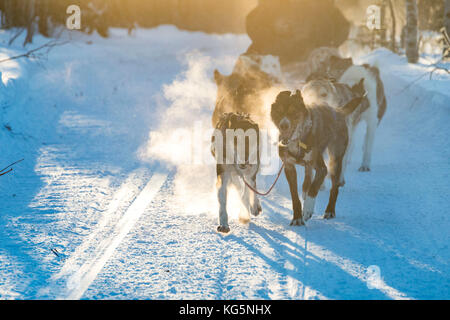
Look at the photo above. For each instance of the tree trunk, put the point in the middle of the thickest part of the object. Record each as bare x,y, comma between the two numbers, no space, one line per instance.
29,16
447,16
412,48
394,27
383,31
42,11
446,31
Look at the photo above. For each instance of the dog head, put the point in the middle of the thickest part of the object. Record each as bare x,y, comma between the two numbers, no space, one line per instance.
240,92
337,66
289,114
231,91
320,91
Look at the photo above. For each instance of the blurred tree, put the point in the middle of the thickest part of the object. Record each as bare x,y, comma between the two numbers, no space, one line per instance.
430,14
394,26
447,16
411,37
198,15
291,29
446,31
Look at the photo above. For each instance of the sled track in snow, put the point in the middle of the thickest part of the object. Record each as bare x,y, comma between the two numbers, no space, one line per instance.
104,245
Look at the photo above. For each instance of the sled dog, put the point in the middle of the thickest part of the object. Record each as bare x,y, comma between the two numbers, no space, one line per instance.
241,91
321,90
374,113
305,133
235,146
345,72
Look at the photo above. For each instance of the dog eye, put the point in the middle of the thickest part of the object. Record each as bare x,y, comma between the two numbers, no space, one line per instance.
323,95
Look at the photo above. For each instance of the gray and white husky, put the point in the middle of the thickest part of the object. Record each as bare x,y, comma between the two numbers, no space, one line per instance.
321,90
371,111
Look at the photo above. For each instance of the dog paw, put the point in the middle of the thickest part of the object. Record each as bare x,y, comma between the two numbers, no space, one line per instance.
307,215
364,169
308,207
329,215
223,229
297,222
244,220
257,211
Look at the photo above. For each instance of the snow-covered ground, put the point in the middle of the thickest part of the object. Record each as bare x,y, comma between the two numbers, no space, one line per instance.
101,184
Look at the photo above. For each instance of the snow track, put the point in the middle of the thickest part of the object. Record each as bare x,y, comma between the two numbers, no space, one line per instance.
82,279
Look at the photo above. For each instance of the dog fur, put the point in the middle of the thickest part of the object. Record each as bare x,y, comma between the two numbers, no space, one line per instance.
234,171
241,91
305,133
343,70
321,90
374,114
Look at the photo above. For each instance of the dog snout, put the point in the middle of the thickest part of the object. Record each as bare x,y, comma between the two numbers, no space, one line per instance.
284,125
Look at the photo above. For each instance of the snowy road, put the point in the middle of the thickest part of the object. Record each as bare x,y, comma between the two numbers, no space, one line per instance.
128,225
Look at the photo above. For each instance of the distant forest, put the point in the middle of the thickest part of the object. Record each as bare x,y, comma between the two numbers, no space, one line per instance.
211,16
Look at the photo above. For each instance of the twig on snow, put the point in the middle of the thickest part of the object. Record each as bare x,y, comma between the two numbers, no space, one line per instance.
5,170
35,53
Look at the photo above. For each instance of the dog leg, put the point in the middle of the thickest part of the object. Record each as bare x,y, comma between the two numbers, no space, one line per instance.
308,180
368,145
308,207
223,180
336,172
291,176
255,205
246,203
347,156
319,177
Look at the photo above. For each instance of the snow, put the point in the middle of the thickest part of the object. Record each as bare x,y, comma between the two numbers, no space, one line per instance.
105,183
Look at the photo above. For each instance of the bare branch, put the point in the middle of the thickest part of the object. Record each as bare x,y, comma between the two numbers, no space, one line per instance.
5,171
34,53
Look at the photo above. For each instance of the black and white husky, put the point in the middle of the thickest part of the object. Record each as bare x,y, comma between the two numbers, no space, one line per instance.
235,146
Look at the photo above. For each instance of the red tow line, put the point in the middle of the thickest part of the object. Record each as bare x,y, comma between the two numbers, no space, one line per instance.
273,185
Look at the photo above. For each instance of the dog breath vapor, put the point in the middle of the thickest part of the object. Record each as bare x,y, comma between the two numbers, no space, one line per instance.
183,138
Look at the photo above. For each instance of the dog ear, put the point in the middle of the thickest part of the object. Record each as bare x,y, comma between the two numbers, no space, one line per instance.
359,87
351,106
283,96
299,98
218,77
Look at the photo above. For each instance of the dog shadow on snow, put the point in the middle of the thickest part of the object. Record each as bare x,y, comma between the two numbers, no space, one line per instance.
408,276
309,270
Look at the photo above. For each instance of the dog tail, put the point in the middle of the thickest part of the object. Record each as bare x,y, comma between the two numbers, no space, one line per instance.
350,107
